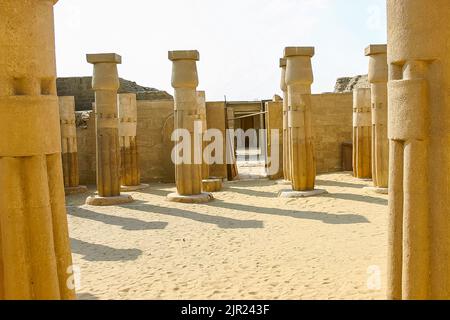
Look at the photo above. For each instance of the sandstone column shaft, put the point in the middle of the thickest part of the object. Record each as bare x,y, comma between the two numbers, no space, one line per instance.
105,83
418,130
69,141
286,144
130,172
201,100
362,134
378,77
35,257
299,77
188,176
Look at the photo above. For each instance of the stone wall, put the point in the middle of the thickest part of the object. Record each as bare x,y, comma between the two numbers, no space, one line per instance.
215,117
81,89
332,125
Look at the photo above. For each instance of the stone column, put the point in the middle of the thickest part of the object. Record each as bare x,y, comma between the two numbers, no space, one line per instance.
35,255
274,129
419,134
129,156
299,77
209,184
105,83
69,146
378,78
362,134
286,149
188,173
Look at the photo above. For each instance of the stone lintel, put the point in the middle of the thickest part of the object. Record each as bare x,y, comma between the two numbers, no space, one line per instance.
375,49
282,62
104,58
184,55
299,51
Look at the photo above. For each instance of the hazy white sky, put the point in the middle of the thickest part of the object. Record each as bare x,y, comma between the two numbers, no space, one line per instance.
240,41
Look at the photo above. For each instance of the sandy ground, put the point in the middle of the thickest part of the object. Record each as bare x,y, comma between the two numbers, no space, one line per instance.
246,244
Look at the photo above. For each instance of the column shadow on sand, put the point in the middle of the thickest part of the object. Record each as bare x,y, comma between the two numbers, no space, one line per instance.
100,252
251,192
130,224
356,197
328,218
221,222
332,183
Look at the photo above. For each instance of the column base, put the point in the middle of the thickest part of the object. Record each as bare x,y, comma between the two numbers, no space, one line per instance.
196,198
211,185
108,201
364,179
141,186
377,190
284,182
301,194
75,190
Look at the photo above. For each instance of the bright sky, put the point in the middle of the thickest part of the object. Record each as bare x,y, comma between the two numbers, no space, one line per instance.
240,41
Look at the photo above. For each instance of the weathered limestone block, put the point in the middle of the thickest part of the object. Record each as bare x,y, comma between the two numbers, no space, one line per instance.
105,83
418,129
69,146
129,156
299,77
188,176
378,78
286,143
362,134
35,255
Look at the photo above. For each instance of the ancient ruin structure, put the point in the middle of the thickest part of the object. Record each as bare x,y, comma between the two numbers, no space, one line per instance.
378,77
35,257
299,78
362,134
105,83
274,123
188,167
129,156
209,184
419,171
286,144
69,146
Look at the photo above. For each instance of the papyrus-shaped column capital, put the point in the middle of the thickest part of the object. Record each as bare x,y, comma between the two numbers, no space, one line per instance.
298,65
184,68
378,67
105,70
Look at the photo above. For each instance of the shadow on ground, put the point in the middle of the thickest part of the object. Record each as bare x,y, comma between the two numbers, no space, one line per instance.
221,222
100,252
328,218
130,224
